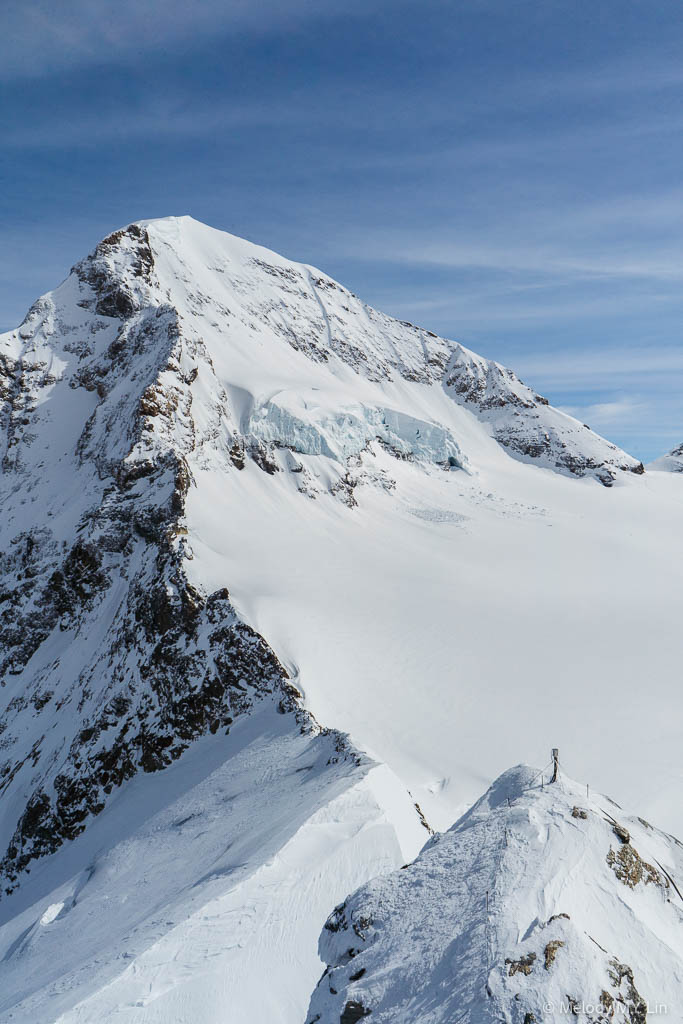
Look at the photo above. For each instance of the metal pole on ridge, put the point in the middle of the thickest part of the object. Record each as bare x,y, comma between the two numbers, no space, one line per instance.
556,764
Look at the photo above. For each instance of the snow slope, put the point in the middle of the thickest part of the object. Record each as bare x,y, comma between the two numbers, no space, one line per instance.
540,904
231,491
672,462
198,879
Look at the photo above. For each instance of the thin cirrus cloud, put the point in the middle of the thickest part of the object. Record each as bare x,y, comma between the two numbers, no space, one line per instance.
475,314
156,117
617,364
41,37
170,112
608,414
668,266
508,175
591,259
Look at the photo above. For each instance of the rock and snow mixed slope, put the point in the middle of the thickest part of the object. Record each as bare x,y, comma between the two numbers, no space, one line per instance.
672,462
230,493
111,661
540,904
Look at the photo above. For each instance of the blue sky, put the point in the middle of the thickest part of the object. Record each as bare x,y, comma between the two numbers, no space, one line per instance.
505,172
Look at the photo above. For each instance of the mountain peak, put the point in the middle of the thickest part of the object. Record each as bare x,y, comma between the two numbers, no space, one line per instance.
543,900
671,462
234,292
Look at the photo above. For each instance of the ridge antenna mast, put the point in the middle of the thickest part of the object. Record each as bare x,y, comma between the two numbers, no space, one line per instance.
556,764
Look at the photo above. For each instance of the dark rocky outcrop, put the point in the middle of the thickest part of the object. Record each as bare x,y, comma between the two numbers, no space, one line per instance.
170,664
353,1012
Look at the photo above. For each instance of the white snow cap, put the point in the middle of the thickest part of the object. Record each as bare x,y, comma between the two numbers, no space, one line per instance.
672,462
542,903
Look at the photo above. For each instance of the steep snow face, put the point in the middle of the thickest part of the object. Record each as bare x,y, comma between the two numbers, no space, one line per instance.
672,462
542,902
199,881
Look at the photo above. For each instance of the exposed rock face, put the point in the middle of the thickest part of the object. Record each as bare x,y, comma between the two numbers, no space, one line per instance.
116,284
515,914
112,401
110,660
527,426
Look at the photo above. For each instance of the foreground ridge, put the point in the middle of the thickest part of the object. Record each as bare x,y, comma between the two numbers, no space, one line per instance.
542,903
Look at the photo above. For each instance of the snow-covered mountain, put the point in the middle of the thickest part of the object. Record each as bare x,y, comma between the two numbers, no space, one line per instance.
543,903
672,462
170,351
236,503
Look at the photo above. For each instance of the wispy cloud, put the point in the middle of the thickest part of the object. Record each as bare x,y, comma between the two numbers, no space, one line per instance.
36,43
40,37
582,366
153,118
608,414
567,239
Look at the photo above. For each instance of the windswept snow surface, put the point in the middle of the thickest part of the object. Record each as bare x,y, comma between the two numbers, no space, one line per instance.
540,904
460,620
198,895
